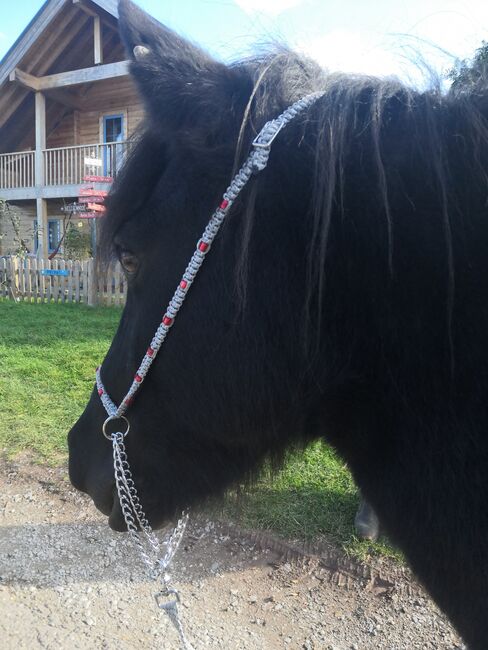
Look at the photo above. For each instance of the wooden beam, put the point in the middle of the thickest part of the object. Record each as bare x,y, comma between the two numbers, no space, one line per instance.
76,127
82,5
92,12
73,77
41,226
35,61
19,194
39,167
25,79
47,13
33,83
70,59
11,102
97,41
40,136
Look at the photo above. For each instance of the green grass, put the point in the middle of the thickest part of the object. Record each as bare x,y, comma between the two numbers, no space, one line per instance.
312,498
48,354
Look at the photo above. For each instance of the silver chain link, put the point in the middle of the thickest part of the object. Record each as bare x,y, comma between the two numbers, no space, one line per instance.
144,538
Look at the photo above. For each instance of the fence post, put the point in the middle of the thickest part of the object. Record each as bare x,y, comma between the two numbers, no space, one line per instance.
92,283
13,277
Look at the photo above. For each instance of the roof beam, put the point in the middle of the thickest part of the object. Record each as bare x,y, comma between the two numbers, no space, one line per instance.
71,78
25,79
33,83
88,10
11,98
55,50
97,41
29,36
92,12
48,46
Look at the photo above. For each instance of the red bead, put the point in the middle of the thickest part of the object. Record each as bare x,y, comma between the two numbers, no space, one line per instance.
183,284
128,401
138,378
100,391
203,246
224,204
150,352
167,321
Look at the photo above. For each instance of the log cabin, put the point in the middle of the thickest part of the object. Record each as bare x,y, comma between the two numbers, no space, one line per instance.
67,110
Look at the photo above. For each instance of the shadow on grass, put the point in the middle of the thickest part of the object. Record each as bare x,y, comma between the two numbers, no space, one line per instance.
309,515
296,512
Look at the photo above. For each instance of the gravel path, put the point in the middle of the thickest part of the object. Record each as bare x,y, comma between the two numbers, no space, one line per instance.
68,582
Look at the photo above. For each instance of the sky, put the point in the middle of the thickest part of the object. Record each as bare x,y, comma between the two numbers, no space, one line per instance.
380,37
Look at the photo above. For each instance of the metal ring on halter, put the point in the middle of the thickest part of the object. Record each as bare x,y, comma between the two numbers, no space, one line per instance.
111,418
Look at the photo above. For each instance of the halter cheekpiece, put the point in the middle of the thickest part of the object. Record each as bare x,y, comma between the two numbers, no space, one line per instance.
139,529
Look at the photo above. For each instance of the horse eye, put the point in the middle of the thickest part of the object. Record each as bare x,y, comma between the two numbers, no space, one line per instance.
129,261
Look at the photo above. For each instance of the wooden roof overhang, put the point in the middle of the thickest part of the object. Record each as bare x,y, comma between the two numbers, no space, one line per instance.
55,55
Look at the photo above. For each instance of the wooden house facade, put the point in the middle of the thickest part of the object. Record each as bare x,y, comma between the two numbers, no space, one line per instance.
67,109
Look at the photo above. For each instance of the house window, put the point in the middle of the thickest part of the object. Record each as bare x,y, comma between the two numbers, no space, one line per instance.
113,135
54,234
113,128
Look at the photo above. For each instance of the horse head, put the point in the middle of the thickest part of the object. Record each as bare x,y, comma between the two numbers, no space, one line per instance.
231,384
345,297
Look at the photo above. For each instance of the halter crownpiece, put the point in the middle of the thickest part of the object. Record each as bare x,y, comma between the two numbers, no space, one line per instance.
137,524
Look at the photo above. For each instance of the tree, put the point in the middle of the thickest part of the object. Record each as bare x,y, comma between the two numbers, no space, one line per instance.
470,74
6,214
77,245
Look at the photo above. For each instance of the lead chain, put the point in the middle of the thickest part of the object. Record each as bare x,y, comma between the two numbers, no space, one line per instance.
148,544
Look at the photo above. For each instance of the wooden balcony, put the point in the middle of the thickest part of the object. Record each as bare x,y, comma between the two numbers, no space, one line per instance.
63,170
17,170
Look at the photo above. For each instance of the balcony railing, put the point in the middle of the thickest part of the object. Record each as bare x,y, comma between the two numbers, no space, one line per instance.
61,166
70,165
17,170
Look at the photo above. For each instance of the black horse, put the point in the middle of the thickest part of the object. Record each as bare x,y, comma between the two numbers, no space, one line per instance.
346,298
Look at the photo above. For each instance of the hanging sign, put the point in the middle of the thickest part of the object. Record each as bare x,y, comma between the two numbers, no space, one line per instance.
95,207
91,199
98,179
93,162
61,272
89,191
89,215
73,207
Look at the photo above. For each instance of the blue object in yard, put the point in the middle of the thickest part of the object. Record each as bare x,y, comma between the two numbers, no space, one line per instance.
54,272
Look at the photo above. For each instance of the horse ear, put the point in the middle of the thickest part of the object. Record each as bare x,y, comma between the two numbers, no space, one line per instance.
182,86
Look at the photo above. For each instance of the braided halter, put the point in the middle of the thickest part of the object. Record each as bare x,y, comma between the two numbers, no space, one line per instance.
138,526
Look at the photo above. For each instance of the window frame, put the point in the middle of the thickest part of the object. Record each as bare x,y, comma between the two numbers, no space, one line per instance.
57,221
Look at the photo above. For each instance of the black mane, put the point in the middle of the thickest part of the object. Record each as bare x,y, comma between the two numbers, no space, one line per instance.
377,130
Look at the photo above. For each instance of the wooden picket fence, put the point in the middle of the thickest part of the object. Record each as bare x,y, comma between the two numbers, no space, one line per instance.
32,280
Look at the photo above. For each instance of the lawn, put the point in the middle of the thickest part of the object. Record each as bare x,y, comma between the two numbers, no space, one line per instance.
48,354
